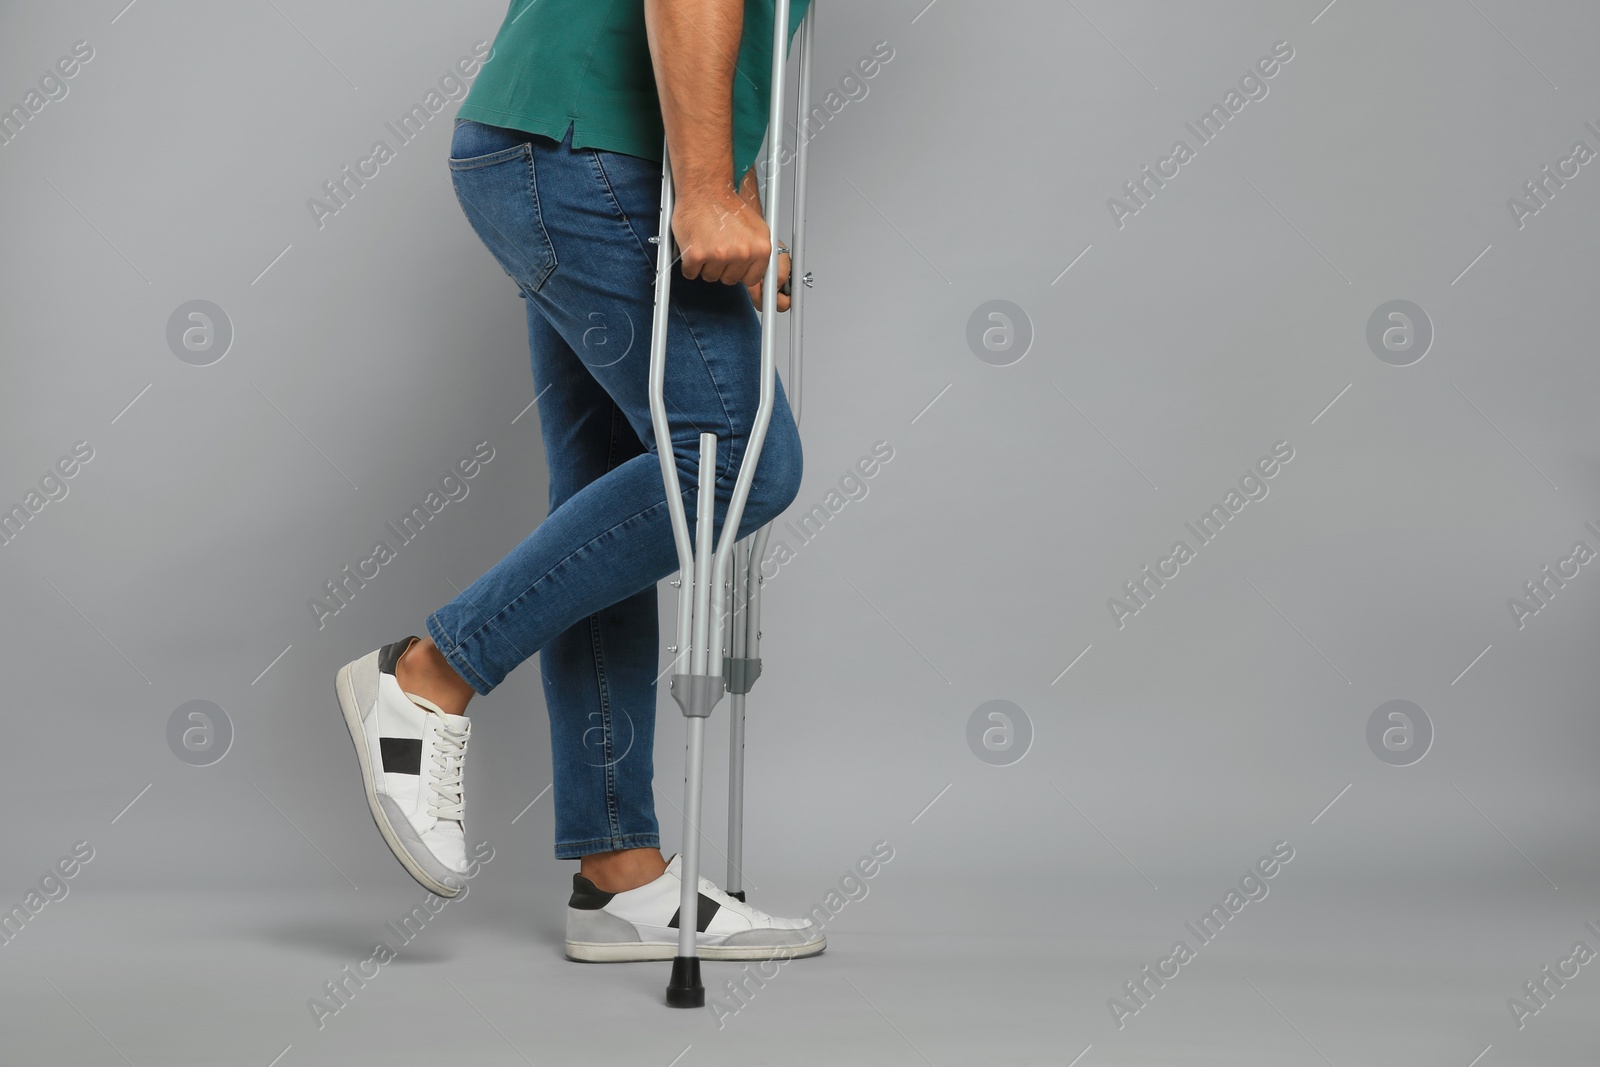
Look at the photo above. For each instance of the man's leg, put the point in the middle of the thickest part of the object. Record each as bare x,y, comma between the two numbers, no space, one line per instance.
598,674
573,227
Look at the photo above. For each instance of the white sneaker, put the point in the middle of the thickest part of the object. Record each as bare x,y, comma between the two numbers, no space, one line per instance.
411,756
642,924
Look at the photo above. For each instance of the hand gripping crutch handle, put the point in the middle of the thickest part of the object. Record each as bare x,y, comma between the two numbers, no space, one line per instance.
700,621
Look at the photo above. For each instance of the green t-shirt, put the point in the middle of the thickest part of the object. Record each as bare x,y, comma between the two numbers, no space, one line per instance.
587,63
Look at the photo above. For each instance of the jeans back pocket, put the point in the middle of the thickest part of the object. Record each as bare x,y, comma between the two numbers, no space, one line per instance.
500,196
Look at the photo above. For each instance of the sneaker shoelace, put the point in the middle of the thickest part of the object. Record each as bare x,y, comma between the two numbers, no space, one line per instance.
449,754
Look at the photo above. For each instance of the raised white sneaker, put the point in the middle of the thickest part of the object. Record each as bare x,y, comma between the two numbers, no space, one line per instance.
642,924
411,756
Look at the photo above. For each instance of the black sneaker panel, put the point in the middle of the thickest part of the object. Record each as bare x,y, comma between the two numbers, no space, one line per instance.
708,909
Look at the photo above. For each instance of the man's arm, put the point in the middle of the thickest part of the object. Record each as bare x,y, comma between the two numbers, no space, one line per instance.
693,47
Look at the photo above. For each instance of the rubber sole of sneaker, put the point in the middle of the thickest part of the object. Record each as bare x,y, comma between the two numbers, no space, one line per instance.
636,951
358,734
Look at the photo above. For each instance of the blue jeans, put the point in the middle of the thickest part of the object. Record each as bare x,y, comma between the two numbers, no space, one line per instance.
571,227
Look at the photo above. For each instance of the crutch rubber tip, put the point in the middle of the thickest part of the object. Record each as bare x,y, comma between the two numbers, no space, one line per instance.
685,990
736,894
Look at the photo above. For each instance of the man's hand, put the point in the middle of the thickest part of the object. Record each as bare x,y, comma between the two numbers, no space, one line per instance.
725,240
720,238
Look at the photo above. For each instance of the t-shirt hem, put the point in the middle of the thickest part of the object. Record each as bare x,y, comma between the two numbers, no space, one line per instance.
583,136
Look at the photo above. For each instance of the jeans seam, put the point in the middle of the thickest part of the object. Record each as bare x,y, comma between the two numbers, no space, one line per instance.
538,219
722,399
611,439
604,691
622,216
613,818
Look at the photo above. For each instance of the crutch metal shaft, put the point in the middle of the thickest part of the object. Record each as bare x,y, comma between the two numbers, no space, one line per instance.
736,697
704,569
797,223
705,503
685,989
749,634
769,315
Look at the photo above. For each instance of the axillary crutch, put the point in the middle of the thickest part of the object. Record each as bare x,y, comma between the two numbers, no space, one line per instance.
704,581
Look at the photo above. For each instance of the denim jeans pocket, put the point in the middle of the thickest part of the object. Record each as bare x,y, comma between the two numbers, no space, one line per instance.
500,196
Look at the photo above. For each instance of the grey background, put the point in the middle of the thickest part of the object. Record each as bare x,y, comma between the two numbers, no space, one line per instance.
1230,714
